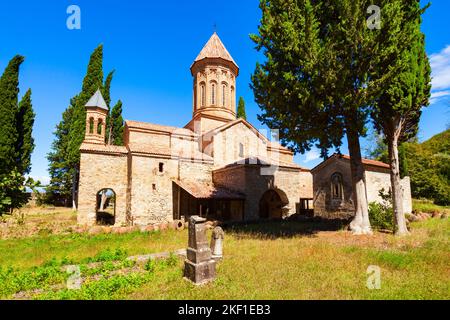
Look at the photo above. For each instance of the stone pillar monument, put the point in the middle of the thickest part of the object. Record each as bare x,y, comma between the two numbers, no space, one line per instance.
199,267
217,243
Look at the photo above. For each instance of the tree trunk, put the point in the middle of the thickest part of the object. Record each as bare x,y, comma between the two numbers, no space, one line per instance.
360,224
75,190
397,192
103,201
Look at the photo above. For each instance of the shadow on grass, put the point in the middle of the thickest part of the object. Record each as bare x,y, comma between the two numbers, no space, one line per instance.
284,229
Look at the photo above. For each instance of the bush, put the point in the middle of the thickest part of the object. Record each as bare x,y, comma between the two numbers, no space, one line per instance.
381,216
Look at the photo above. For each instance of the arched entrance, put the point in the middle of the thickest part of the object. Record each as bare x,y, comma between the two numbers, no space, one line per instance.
106,207
271,204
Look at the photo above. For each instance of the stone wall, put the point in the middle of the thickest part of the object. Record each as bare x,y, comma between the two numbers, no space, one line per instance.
290,184
377,178
101,171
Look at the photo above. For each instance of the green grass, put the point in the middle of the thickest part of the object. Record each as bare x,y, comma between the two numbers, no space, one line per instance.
265,261
428,207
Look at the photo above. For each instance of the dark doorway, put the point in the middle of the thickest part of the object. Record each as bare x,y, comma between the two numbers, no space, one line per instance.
106,207
271,205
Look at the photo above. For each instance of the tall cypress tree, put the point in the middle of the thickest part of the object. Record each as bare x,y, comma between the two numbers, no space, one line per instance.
65,156
9,90
25,142
106,92
398,110
241,109
117,125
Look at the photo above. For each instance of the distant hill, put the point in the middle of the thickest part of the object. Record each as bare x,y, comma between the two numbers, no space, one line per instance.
428,165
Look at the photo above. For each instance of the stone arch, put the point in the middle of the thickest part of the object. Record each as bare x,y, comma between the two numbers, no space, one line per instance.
224,93
105,207
272,203
337,186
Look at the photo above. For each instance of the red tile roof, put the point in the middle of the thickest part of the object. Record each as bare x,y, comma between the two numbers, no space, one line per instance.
367,162
157,127
203,190
102,148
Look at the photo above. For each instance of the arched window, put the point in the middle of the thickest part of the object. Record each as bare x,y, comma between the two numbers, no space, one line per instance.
100,126
232,98
337,187
213,93
91,125
224,94
202,94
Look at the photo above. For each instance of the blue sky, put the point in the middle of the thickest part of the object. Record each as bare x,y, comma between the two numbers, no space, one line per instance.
151,45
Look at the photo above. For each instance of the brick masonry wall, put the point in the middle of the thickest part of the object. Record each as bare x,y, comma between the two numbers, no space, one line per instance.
290,185
376,180
99,171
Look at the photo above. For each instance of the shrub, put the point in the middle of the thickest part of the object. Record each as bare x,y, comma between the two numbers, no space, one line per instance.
381,216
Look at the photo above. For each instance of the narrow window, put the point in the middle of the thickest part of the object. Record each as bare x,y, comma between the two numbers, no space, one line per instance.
232,97
202,94
213,94
91,125
154,187
241,150
224,95
100,127
161,167
337,187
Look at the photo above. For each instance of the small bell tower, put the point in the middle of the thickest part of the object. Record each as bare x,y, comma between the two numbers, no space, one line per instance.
96,112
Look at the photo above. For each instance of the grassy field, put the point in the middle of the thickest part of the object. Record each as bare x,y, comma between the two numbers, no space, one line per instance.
280,260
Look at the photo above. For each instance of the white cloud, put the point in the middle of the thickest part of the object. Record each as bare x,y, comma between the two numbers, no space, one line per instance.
312,155
436,96
440,66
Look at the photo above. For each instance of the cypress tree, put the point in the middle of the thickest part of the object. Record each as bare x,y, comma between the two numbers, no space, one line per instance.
241,109
25,142
117,124
9,89
398,110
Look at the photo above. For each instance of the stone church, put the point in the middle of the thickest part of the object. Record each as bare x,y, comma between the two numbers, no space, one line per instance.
216,166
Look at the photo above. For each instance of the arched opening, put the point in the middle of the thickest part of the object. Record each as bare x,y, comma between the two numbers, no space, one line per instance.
202,94
106,207
337,186
91,125
100,126
272,204
213,93
224,94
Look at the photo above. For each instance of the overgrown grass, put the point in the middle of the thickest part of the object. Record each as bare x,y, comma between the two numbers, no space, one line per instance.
276,260
428,207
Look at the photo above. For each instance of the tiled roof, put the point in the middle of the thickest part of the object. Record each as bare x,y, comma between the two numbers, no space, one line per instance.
214,48
103,148
370,162
264,161
168,152
97,101
367,162
203,190
157,127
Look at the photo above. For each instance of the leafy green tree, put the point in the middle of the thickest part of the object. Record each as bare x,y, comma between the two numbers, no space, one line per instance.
397,111
65,156
429,168
117,126
25,142
9,90
324,68
241,109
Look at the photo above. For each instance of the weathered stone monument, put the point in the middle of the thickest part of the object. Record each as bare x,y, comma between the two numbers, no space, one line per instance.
217,243
199,267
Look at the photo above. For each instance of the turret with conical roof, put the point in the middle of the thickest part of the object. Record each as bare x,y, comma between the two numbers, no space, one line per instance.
96,112
214,72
